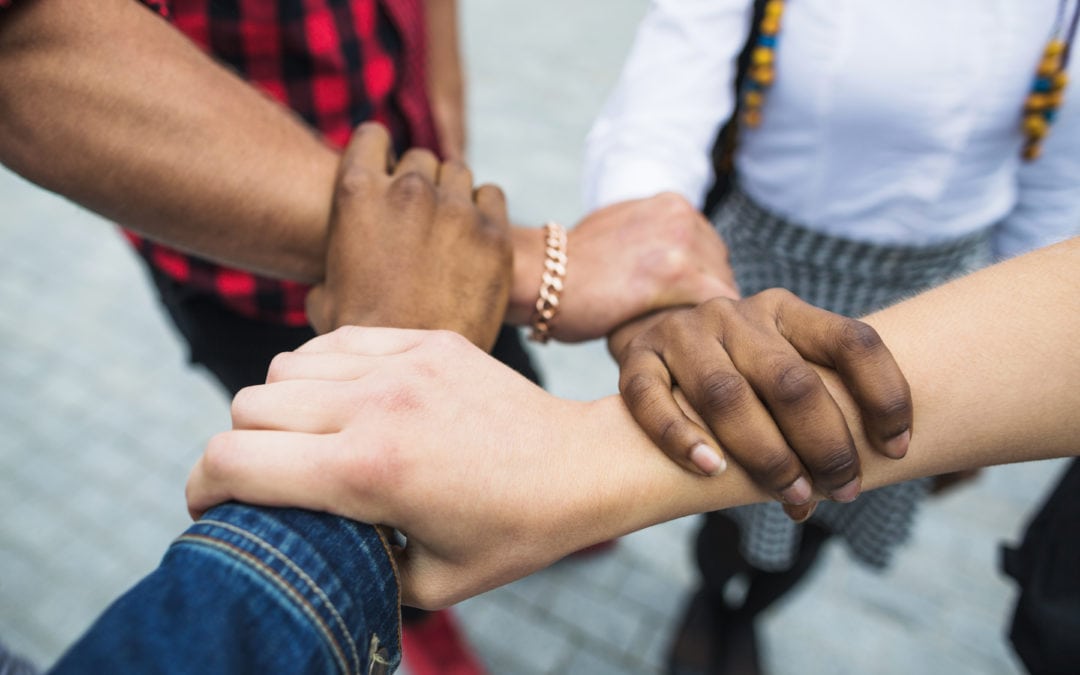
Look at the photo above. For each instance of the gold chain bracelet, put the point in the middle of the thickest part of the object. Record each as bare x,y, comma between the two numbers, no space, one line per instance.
551,284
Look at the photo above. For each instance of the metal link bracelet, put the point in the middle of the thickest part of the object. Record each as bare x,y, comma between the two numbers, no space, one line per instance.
551,284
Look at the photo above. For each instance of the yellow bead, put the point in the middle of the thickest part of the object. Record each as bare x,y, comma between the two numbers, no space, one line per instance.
753,99
1049,65
1036,126
770,25
1038,102
1032,151
1055,48
762,56
774,8
752,118
1060,80
1054,99
763,75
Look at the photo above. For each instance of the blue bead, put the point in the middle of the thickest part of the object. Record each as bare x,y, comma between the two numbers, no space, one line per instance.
767,41
1043,84
1050,115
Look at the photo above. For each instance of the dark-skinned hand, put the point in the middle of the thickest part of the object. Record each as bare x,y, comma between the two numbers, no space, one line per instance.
413,245
742,367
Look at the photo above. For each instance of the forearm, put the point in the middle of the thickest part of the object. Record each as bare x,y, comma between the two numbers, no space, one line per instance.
112,108
446,80
992,371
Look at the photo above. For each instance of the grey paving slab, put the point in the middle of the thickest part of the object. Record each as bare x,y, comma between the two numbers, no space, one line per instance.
100,419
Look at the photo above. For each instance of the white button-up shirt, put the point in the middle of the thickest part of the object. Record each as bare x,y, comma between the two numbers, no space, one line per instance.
889,122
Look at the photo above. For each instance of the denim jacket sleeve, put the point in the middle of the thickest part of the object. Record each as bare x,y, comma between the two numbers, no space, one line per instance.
254,590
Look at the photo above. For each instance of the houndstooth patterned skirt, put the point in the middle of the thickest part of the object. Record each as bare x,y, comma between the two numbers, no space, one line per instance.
851,278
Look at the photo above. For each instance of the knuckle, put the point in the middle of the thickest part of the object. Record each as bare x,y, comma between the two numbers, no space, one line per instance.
413,186
217,455
445,341
794,384
356,181
723,393
675,205
777,468
895,406
637,389
343,337
775,296
714,307
242,404
280,366
858,338
459,211
838,463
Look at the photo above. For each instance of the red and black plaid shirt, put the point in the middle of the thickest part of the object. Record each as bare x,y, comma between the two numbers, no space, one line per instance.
337,63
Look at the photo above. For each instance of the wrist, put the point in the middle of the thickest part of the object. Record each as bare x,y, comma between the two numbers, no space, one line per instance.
528,245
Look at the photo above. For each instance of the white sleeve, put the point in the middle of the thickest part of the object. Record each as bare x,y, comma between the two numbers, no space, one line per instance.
656,130
1048,205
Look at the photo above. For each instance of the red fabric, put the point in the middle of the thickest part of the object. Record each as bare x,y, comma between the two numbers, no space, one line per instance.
336,63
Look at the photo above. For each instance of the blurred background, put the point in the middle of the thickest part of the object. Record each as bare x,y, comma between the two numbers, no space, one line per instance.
101,418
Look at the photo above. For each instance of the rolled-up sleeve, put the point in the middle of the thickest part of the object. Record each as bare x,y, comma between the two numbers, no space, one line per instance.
657,128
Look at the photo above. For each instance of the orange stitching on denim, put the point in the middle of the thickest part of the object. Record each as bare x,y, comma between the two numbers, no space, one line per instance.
302,574
274,577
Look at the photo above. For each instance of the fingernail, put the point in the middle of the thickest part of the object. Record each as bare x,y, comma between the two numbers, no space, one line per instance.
806,515
897,446
798,493
707,460
847,493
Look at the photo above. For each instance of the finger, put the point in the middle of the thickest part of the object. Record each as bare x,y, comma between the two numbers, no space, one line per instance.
269,468
865,365
491,201
456,178
370,147
646,387
803,409
421,162
305,406
319,366
363,340
737,418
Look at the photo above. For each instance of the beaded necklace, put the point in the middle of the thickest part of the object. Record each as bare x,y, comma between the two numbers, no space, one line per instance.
1048,89
761,71
1040,108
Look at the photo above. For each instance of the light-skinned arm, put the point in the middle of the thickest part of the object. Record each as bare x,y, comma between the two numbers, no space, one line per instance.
491,478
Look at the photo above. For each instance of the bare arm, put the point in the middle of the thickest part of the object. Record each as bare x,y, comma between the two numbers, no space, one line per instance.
108,105
446,78
492,478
